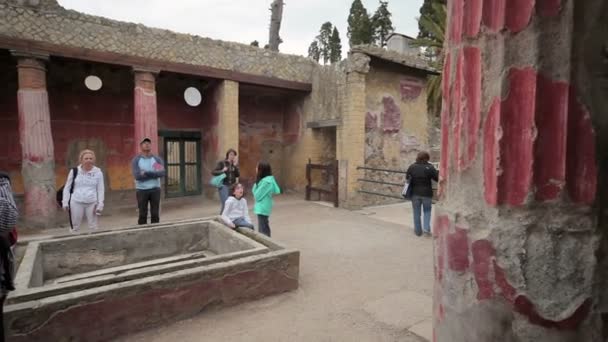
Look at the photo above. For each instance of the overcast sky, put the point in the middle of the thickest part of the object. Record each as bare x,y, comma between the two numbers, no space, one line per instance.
246,20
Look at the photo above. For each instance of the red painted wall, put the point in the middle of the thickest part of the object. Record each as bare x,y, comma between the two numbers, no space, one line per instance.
80,118
173,111
100,120
176,115
261,123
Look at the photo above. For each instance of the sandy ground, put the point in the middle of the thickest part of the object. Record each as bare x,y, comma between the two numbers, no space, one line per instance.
364,276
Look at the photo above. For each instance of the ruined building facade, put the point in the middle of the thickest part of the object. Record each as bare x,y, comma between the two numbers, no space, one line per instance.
369,109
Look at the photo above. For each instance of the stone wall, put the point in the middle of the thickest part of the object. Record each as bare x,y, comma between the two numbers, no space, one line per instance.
325,102
52,24
327,94
396,126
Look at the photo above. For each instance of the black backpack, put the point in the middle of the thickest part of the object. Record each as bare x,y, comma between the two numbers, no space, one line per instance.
59,195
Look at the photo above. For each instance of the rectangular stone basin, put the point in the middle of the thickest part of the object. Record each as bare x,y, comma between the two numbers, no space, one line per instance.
99,286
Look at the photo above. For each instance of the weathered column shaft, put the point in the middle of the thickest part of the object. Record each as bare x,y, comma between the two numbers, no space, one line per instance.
351,133
145,112
516,233
228,120
38,160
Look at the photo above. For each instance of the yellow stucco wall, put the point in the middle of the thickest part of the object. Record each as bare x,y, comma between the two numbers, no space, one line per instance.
394,149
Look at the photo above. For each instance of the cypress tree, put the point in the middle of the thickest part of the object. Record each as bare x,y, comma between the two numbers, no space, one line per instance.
360,29
314,52
335,46
382,24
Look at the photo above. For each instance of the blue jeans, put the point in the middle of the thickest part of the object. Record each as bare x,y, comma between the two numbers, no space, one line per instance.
241,222
223,196
424,203
264,225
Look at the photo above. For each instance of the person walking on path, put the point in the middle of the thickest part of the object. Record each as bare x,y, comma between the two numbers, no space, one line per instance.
229,166
88,192
147,170
236,212
420,176
263,190
8,221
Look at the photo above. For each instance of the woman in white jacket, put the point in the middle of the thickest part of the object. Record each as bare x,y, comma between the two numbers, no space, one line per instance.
88,195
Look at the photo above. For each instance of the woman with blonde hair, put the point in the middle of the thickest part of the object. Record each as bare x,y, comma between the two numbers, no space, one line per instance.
83,193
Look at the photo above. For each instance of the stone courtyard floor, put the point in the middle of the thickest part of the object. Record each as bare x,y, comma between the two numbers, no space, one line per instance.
364,276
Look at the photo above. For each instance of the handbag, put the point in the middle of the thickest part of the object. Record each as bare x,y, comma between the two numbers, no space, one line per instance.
218,181
407,191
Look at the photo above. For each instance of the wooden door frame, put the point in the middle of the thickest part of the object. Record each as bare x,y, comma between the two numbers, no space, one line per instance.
182,137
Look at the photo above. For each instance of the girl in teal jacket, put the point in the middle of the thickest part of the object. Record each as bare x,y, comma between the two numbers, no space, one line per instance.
263,190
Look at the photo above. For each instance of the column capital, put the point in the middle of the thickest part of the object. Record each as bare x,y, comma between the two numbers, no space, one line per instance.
145,78
31,68
140,69
20,54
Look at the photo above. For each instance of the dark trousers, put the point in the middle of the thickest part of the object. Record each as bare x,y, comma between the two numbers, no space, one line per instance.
144,197
264,225
2,337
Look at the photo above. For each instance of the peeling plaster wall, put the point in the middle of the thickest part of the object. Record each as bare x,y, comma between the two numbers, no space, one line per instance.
519,230
396,125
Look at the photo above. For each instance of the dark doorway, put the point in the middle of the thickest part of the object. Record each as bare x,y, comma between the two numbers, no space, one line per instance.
182,152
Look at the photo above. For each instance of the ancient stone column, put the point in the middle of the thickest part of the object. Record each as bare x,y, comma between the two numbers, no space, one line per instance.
351,133
228,117
518,235
145,116
38,159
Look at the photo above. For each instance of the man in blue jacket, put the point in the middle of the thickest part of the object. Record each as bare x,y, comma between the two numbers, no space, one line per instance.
147,170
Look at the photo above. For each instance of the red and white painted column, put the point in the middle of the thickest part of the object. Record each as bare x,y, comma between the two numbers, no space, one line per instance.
516,234
145,113
38,160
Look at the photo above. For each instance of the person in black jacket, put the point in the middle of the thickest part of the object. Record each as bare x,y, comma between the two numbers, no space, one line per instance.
420,176
230,168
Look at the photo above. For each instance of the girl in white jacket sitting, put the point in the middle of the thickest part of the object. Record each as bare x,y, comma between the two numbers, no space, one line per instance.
88,195
236,212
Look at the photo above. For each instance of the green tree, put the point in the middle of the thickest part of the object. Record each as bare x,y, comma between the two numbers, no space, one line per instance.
426,10
323,40
314,52
360,29
433,23
335,46
382,24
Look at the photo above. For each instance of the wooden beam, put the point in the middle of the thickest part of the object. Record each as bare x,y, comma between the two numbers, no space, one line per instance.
33,46
324,123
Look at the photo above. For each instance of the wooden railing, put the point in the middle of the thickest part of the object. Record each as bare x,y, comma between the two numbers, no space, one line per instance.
332,190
